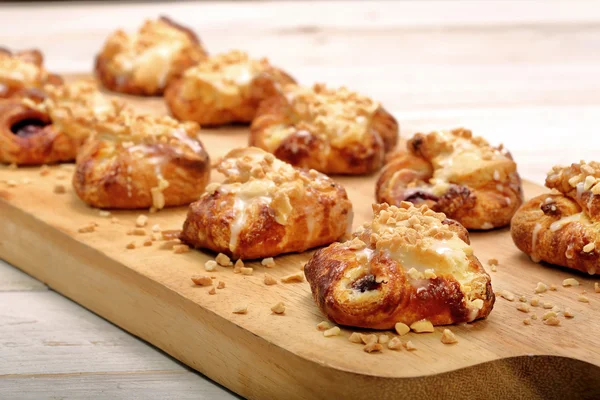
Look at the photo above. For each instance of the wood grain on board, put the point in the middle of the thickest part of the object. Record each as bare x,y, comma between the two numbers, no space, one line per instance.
148,292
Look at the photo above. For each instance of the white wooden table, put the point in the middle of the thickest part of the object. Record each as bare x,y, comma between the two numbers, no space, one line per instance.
523,73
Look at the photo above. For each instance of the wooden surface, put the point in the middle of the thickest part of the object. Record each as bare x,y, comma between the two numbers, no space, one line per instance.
524,73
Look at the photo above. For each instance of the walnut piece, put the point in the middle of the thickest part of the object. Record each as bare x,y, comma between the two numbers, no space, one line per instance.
448,337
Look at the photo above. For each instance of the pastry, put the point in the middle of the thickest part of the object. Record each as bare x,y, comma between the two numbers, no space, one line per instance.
266,207
408,264
49,130
223,89
563,227
22,74
143,63
141,161
334,131
457,174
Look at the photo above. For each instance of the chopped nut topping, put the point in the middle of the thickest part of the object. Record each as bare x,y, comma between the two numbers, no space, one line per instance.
59,188
384,339
505,294
323,325
181,248
221,285
535,301
395,343
87,228
422,326
268,262
401,328
295,277
493,261
523,307
448,337
223,260
527,321
373,348
212,290
240,309
210,265
371,338
570,282
568,313
141,221
202,280
583,298
355,337
246,271
335,331
270,280
552,321
130,246
541,287
409,346
278,308
588,248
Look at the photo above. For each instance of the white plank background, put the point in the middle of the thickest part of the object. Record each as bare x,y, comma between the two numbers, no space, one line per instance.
522,73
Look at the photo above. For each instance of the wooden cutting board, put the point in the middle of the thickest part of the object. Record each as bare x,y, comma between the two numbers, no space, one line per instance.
148,292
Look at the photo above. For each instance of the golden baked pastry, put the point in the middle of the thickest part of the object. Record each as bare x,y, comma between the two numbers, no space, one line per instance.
51,131
142,161
457,174
223,89
334,131
563,226
22,74
143,63
266,207
407,265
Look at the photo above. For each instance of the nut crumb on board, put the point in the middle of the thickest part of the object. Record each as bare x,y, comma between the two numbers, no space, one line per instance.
104,213
270,280
523,307
212,290
395,343
156,228
583,298
505,294
409,346
534,317
240,309
278,308
223,260
295,277
26,181
201,280
596,287
335,331
168,245
91,227
422,326
61,177
59,188
493,261
493,268
383,339
141,221
547,305
370,338
130,246
323,325
535,301
268,262
570,282
181,248
448,337
552,321
210,265
549,314
527,321
373,348
221,285
247,270
553,287
568,313
401,328
523,299
147,242
137,232
44,170
355,337
541,287
114,220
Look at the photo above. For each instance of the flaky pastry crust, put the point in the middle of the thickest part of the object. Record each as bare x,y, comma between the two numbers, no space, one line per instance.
22,74
407,265
563,227
225,88
266,207
142,161
457,174
334,131
145,62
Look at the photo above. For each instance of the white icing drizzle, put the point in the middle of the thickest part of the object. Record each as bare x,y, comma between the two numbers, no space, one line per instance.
557,225
534,239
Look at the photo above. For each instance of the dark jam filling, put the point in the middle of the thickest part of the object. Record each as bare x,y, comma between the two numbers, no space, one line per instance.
366,283
28,127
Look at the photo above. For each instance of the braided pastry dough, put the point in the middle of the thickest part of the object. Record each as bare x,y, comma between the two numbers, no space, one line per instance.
563,227
223,89
266,207
408,264
457,174
142,161
334,131
143,63
22,74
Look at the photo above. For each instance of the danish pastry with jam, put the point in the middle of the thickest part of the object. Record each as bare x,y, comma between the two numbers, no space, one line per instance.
225,88
563,226
457,174
52,130
334,131
266,207
408,264
141,161
22,74
143,63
